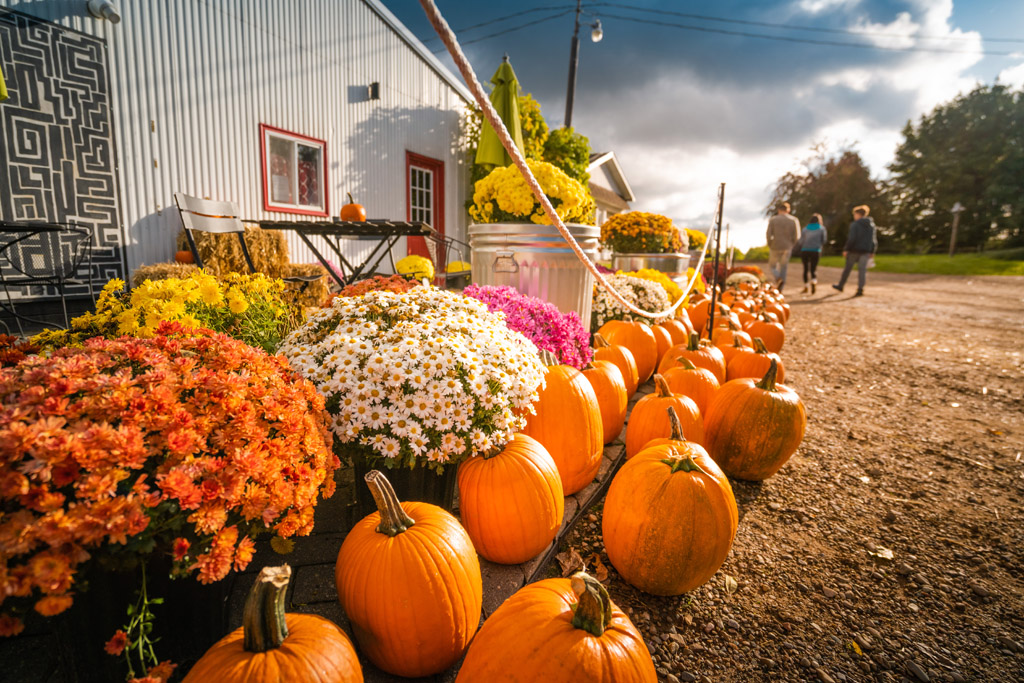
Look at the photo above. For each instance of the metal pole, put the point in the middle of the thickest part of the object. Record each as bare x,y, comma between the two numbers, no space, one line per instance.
957,208
574,59
714,273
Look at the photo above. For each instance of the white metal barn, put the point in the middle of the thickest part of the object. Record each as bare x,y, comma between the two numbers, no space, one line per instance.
282,106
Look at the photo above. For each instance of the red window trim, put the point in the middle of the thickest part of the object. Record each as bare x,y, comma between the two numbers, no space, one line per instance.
267,206
416,245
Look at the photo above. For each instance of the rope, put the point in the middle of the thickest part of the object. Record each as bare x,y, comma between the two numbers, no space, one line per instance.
452,44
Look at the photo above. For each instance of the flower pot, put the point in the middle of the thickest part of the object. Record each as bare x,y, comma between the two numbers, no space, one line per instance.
537,261
673,265
418,483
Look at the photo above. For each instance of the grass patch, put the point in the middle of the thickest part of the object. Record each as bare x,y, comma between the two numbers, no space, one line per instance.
1007,262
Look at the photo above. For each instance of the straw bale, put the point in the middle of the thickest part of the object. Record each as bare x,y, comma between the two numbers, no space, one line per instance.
222,253
303,294
162,271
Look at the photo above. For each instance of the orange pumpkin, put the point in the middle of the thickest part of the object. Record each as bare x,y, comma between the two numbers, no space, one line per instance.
610,388
184,256
678,329
274,646
773,334
650,421
730,352
724,336
559,631
511,503
639,339
622,358
664,339
700,352
754,364
669,518
568,424
352,211
699,384
409,580
752,428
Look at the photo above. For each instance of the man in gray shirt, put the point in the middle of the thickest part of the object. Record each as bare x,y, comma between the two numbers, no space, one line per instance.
783,232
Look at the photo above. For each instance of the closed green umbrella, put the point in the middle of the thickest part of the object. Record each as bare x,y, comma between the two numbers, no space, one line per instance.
505,98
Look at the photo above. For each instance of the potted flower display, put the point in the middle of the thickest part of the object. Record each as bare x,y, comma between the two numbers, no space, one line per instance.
160,456
416,382
641,292
514,244
645,240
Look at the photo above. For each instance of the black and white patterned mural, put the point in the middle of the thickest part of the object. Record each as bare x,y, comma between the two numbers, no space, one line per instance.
57,159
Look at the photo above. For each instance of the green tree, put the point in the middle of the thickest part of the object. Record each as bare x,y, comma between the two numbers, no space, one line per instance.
569,151
970,150
831,184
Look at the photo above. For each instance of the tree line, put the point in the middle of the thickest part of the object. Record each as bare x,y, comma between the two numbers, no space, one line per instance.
968,151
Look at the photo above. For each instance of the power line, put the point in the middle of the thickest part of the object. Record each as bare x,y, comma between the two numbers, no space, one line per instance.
550,8
795,27
506,31
809,41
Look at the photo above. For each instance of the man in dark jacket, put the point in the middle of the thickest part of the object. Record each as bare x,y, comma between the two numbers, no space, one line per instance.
861,245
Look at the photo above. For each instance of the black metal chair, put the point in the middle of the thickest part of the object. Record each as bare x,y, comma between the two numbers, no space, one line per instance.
43,253
207,215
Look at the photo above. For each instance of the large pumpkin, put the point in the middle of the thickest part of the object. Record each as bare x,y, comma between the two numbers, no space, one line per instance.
610,388
669,518
773,334
752,428
559,631
698,351
568,424
274,646
511,503
623,360
649,419
755,364
699,384
639,339
409,580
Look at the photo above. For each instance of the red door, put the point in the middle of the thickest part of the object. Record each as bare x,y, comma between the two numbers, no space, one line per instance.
424,201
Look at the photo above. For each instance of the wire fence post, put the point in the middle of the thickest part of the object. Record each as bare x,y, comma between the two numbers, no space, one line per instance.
718,251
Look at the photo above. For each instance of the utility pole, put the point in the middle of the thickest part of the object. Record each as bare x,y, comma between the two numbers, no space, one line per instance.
574,60
957,209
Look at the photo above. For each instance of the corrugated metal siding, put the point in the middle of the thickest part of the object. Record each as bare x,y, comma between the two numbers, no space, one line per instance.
194,79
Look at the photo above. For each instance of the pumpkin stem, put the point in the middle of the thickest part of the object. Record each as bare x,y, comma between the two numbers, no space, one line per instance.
263,623
593,609
677,426
736,342
600,342
685,363
759,346
768,381
661,386
627,318
393,519
350,200
547,358
694,342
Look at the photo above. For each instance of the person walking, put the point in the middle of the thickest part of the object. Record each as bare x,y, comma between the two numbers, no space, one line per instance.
812,239
861,245
783,232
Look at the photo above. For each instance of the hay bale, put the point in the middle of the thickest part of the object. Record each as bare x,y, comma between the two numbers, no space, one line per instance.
306,294
162,271
222,254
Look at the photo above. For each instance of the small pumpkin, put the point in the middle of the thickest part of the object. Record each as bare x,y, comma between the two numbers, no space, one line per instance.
773,334
184,256
664,339
724,336
650,421
408,578
511,502
639,339
274,646
622,358
669,517
567,423
352,211
558,631
752,428
699,384
699,313
698,351
610,388
678,329
754,364
729,352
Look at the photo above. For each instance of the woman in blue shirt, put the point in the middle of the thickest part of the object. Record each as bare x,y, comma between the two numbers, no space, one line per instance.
812,239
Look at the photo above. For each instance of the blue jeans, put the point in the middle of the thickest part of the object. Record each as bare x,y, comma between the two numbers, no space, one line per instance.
861,259
778,261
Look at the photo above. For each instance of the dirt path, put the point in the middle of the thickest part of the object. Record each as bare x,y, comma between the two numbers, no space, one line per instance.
915,406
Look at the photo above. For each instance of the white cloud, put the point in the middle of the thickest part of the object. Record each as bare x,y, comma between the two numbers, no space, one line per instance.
1013,76
818,6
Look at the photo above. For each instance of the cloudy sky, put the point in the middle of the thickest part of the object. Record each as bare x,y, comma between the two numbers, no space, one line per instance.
739,101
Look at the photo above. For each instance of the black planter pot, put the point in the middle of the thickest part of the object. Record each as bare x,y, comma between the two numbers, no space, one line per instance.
419,483
192,617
